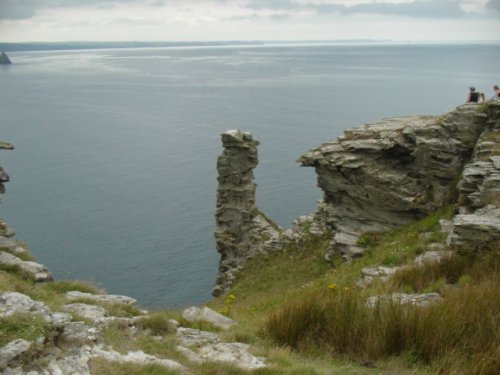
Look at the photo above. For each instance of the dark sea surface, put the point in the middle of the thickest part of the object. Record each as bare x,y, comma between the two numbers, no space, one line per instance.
113,179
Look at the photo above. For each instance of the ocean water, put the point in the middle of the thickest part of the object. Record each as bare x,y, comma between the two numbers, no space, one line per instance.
113,179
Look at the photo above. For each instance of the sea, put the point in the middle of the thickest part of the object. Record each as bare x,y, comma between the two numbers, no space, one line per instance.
113,176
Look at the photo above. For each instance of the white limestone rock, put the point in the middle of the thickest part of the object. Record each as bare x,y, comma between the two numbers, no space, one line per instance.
138,357
189,354
17,303
432,257
79,332
235,353
13,350
194,314
420,300
196,338
96,314
107,298
38,271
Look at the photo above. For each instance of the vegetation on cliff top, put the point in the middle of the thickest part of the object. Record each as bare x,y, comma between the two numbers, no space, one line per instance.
284,301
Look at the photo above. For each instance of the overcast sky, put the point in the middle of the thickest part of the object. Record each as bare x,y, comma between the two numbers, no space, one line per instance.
204,20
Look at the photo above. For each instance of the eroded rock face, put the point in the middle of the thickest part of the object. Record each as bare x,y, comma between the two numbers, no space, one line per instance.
380,176
4,177
478,223
241,230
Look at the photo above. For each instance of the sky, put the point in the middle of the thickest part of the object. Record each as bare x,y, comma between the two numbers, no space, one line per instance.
248,20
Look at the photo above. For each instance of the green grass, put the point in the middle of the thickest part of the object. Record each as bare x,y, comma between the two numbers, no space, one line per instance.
22,326
294,300
463,328
64,286
268,279
23,256
156,323
103,367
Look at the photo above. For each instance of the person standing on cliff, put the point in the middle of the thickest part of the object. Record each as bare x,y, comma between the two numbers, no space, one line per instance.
474,96
496,92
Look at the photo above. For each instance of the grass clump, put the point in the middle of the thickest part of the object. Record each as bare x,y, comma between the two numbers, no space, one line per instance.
463,268
462,328
22,326
157,324
64,286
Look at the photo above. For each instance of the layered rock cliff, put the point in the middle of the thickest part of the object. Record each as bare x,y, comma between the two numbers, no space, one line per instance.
375,178
241,230
380,176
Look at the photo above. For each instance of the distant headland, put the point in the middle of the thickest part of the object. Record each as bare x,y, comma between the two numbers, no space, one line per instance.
4,59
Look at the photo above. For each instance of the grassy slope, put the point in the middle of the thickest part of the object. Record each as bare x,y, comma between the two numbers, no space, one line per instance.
271,284
278,294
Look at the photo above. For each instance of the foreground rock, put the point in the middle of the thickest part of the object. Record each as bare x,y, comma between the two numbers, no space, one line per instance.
38,272
380,176
420,300
105,298
200,346
13,350
195,314
70,345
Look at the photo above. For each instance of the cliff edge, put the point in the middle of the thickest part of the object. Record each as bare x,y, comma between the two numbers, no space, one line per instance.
375,178
380,176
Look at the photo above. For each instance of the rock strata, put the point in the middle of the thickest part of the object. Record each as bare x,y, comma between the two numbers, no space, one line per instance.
478,221
379,176
241,230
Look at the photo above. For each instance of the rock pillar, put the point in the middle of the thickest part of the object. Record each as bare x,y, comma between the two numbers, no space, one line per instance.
235,203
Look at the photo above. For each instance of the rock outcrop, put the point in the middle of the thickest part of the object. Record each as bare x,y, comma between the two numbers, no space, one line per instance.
4,59
478,221
380,176
4,177
241,229
67,345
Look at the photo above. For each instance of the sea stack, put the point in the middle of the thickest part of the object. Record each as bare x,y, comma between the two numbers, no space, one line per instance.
4,59
241,229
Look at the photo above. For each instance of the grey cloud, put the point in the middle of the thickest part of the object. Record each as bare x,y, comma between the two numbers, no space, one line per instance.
429,9
273,4
418,8
493,5
22,9
16,9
